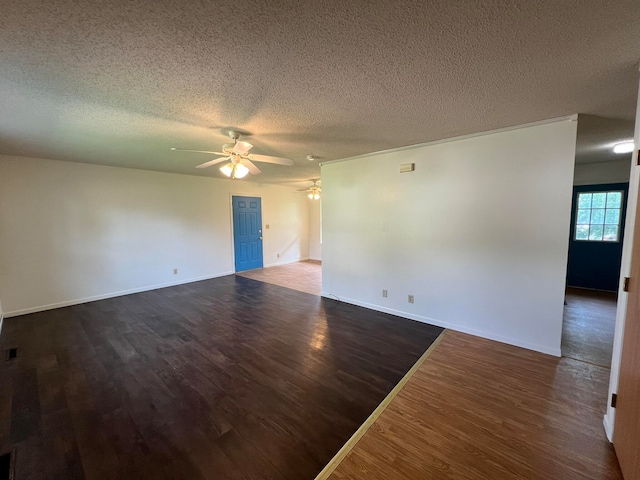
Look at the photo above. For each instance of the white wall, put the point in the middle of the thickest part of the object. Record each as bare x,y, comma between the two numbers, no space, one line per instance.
315,244
478,233
602,172
71,232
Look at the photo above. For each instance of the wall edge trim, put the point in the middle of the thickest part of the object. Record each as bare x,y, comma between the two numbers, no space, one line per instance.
566,118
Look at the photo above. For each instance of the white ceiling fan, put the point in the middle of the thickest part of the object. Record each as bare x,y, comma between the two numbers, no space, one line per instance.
313,192
240,160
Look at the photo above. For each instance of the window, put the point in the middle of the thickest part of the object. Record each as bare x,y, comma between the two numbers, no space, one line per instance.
598,216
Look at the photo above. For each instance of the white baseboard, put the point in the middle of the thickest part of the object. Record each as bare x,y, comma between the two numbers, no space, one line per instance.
77,301
439,323
608,427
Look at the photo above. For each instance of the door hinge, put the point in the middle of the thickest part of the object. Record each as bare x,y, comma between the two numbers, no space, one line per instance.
625,286
614,400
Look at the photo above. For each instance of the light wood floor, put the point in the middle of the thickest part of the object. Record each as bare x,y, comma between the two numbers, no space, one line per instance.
478,409
302,276
588,327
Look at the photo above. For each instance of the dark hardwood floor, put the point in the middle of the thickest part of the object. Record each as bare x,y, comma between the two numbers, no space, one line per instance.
225,378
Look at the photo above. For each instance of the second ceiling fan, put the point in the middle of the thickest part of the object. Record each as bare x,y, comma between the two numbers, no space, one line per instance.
313,192
239,158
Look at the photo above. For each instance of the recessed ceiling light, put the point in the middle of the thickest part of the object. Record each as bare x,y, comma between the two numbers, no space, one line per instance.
625,147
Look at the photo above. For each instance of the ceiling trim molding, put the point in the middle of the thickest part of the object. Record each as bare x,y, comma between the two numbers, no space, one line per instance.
566,118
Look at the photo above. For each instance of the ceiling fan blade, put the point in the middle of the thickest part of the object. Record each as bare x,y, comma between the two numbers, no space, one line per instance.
196,151
242,147
269,159
213,162
251,166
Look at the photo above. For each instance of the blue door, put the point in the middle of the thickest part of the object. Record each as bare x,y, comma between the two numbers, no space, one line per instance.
247,232
595,264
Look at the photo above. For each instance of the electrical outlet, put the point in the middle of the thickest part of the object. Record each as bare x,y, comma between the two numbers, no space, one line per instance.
266,227
385,293
278,255
410,298
175,271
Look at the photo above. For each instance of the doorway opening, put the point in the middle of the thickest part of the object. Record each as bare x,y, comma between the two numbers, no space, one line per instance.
593,272
304,275
601,184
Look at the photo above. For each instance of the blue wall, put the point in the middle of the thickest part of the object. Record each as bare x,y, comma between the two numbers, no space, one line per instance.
595,265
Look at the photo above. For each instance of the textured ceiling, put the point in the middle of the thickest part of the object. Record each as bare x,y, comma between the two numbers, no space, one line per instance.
120,82
597,136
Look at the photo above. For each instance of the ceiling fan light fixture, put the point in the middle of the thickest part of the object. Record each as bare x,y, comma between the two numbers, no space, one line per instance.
236,170
227,169
241,163
240,171
314,193
624,147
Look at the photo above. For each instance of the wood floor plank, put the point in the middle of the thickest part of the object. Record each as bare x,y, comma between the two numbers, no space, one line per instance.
478,409
305,276
588,326
226,378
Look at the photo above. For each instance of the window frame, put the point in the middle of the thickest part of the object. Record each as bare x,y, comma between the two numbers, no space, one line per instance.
620,209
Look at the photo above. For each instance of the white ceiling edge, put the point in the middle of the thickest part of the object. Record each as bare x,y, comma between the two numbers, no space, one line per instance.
566,118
